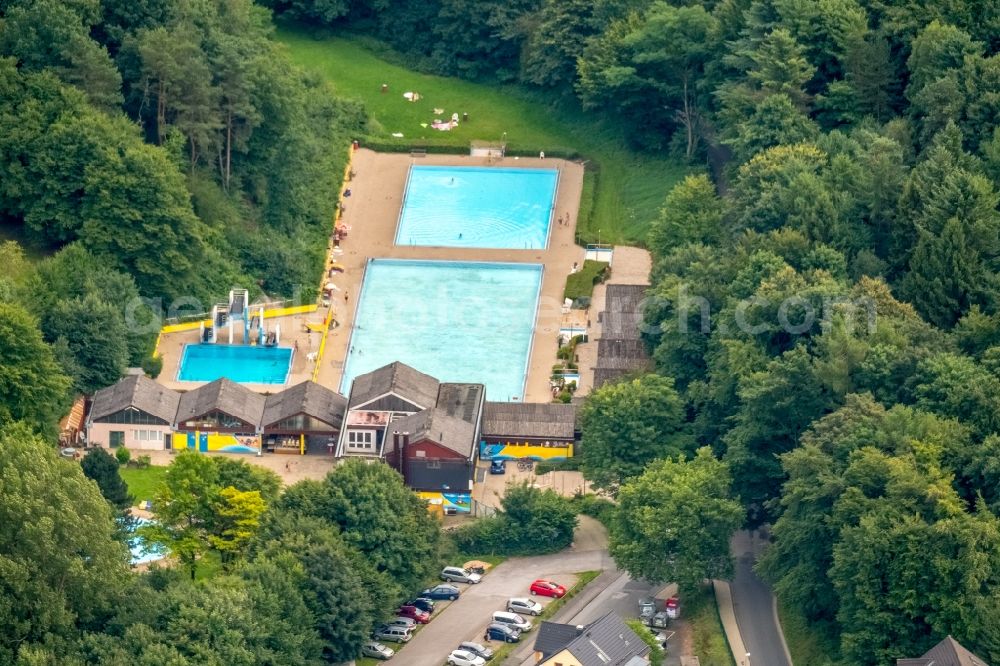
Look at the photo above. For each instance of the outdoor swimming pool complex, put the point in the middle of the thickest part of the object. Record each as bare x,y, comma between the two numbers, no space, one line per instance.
486,207
252,364
456,321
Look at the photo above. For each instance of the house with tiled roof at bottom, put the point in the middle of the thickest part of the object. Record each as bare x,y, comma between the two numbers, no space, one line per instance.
607,641
425,429
135,412
219,416
948,652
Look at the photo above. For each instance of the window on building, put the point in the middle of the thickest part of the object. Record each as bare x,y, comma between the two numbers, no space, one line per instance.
361,440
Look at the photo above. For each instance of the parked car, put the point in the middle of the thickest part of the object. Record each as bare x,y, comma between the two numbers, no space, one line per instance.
394,634
477,648
442,592
647,607
498,467
413,613
658,620
547,588
497,631
513,619
673,608
423,603
377,650
406,622
465,658
460,575
524,606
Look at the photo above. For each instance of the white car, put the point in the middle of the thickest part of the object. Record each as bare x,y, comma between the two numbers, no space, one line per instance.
524,606
465,658
512,620
460,575
377,650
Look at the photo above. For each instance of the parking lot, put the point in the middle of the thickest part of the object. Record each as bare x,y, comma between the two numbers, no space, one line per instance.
466,618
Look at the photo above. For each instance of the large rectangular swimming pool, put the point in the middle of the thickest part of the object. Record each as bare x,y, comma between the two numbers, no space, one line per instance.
250,364
456,321
487,207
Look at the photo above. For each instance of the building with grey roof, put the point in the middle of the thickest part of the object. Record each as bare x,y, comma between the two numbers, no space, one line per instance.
135,412
607,641
948,652
620,348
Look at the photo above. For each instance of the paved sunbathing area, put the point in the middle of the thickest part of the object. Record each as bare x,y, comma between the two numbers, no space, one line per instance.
372,211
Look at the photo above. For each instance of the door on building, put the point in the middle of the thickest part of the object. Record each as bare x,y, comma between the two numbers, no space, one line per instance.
117,438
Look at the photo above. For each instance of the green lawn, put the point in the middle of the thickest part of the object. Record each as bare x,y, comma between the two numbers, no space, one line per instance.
142,483
623,190
706,627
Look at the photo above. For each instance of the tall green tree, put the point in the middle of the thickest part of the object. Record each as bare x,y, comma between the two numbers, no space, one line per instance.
63,570
691,213
101,467
675,520
95,335
628,425
33,389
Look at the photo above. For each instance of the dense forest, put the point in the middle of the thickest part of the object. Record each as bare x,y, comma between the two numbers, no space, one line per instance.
823,317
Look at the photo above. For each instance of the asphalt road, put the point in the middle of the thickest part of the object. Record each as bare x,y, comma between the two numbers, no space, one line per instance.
753,604
466,618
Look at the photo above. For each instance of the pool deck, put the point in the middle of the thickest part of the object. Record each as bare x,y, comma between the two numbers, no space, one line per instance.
372,212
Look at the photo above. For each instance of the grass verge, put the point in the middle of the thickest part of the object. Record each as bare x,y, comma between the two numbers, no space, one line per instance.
656,654
808,643
623,189
142,483
581,284
583,579
706,628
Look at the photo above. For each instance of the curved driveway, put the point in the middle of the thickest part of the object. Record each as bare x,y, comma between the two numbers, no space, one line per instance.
753,604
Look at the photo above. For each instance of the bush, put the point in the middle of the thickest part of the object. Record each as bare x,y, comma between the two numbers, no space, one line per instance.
531,522
123,455
142,462
580,285
546,466
152,366
594,506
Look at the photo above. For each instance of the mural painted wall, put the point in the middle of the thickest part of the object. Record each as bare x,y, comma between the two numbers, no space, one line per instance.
213,441
457,502
517,450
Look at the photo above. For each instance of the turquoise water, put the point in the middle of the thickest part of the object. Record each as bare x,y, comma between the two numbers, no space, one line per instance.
456,321
252,364
142,550
477,207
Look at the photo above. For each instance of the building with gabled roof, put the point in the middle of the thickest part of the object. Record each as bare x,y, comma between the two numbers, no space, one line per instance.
539,431
303,418
425,429
948,652
135,412
607,641
219,416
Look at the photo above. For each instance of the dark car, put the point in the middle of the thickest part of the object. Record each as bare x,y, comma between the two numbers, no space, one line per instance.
498,467
502,632
477,649
423,603
443,591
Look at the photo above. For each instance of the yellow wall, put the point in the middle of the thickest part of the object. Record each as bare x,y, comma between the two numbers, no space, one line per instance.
268,314
213,441
564,658
515,450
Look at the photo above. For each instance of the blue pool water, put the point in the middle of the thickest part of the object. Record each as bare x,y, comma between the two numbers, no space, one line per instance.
456,321
477,207
252,364
141,549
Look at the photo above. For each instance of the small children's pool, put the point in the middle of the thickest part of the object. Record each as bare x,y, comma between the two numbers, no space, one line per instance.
456,321
488,207
142,550
250,364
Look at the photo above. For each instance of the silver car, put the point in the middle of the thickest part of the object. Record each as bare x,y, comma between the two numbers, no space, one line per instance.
460,575
524,606
376,650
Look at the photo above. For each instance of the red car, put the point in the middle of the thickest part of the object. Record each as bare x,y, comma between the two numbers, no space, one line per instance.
547,588
414,613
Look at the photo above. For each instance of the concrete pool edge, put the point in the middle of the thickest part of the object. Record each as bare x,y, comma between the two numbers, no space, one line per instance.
538,269
551,203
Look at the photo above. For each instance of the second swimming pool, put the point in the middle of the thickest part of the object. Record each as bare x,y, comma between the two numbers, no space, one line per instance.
488,207
456,321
